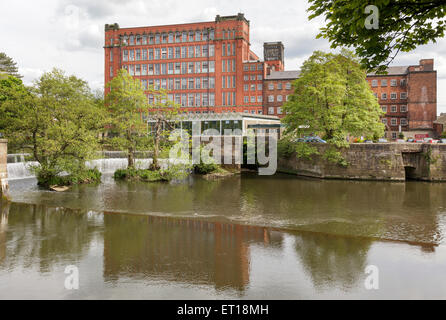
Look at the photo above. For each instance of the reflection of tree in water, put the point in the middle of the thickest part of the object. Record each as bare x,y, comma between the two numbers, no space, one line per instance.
395,211
333,261
186,251
4,213
46,236
427,206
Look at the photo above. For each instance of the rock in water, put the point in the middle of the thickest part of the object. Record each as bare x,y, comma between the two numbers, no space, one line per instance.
59,189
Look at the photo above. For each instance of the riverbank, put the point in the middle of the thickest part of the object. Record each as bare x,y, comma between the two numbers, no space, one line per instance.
378,162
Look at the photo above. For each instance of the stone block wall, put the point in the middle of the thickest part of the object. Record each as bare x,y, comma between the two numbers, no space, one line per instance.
386,162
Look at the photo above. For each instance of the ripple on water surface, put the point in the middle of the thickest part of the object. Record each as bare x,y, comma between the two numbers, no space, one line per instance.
411,212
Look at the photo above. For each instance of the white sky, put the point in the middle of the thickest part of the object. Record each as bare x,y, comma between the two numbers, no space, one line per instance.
69,35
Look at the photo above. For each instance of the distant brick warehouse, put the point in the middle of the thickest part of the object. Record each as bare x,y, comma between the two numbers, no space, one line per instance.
277,88
408,95
208,67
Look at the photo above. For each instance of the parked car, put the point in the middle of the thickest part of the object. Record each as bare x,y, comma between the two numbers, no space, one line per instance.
311,140
443,140
382,141
411,140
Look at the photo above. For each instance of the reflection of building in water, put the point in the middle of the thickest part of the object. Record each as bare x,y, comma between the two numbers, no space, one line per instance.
4,213
190,251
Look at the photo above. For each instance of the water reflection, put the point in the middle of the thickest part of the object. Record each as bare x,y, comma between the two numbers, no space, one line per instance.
42,237
412,212
4,213
193,252
333,261
154,253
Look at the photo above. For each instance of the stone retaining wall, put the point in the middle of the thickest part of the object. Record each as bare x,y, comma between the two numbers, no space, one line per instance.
389,162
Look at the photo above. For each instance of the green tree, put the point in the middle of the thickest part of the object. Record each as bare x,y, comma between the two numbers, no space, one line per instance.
162,116
332,98
8,66
125,101
58,122
403,25
12,93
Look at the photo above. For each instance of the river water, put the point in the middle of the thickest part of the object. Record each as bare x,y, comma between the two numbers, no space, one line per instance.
244,237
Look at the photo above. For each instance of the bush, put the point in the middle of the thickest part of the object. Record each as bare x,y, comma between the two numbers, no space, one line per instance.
204,169
173,172
176,172
47,178
285,148
137,174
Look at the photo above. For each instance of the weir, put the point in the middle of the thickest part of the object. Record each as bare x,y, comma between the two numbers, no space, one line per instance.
16,170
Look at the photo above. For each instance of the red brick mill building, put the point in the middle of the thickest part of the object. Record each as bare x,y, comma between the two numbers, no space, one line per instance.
208,67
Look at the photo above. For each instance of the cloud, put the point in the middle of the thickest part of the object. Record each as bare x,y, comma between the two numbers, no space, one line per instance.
69,34
30,74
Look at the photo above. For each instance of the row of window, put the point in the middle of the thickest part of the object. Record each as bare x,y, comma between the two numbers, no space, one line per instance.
228,82
279,86
394,122
393,96
394,109
252,99
384,83
253,67
211,112
180,83
253,87
253,77
189,100
228,65
271,110
168,37
228,49
171,68
228,99
272,98
167,53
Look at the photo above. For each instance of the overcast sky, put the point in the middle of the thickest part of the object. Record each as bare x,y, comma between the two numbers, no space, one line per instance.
69,34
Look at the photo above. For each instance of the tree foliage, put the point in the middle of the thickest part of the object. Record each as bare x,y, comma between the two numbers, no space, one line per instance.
8,66
12,93
163,115
403,25
58,121
333,99
125,101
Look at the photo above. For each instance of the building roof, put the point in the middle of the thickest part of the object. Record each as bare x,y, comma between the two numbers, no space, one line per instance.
392,71
283,75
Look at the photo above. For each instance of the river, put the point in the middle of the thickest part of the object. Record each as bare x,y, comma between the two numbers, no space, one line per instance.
244,237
